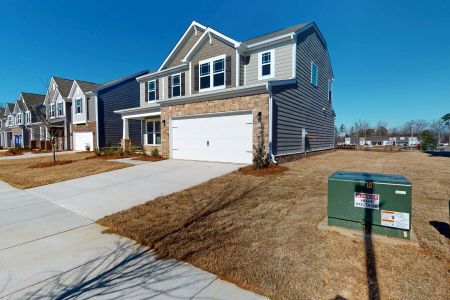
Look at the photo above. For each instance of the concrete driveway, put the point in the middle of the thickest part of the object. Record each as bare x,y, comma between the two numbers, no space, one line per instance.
51,248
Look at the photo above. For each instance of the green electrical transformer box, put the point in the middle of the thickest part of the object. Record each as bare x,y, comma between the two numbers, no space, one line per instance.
378,203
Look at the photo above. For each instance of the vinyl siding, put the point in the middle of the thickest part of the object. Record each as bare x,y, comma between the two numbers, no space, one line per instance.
163,87
120,96
91,108
283,63
184,48
81,118
302,105
207,50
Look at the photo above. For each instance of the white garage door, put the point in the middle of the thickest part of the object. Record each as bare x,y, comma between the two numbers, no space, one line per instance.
80,139
224,138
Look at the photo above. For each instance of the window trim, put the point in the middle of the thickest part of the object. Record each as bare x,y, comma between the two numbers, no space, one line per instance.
272,64
316,83
27,117
172,85
19,120
57,109
330,90
52,110
211,73
154,132
76,106
154,90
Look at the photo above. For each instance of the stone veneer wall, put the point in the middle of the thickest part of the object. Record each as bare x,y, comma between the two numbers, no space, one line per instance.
257,103
90,126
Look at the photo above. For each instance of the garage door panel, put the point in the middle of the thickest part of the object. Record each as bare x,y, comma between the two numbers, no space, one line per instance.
227,138
81,139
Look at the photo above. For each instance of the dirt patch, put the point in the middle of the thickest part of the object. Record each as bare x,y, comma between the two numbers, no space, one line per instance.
271,170
149,158
108,157
51,164
261,232
20,173
7,153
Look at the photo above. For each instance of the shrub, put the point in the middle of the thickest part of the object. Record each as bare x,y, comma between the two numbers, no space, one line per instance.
428,141
261,158
143,153
13,150
108,151
97,152
155,152
87,147
120,151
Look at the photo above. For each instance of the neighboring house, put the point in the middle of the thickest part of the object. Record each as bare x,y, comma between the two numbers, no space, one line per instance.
382,141
2,127
115,95
212,95
83,115
59,108
31,134
8,122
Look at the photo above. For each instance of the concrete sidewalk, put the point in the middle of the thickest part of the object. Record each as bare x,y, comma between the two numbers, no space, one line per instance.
31,155
47,251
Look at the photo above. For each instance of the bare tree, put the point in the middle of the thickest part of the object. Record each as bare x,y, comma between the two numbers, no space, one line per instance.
381,129
420,126
437,127
43,115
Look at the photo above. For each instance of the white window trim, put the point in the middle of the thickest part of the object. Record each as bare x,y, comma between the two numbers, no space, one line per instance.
330,89
154,133
211,73
148,90
172,86
57,110
81,106
272,65
27,117
317,75
19,119
52,111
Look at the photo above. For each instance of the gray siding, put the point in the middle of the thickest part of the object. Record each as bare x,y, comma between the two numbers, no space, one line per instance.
184,48
283,63
302,105
91,108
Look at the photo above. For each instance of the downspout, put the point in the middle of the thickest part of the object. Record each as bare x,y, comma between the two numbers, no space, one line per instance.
96,120
269,88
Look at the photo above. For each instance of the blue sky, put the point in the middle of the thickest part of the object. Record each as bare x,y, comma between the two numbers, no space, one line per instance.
391,59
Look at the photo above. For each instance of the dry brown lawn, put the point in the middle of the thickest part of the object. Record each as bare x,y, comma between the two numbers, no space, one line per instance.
26,173
260,232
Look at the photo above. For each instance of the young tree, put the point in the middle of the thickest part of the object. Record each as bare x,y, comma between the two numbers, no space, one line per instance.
43,115
446,119
428,141
342,130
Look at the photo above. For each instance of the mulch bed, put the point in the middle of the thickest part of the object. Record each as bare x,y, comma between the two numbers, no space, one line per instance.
7,153
272,169
51,164
115,156
149,158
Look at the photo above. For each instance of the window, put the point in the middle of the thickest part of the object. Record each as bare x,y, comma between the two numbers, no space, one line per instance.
60,109
52,110
176,85
27,117
152,90
314,73
9,121
19,119
78,108
266,64
212,73
153,132
330,90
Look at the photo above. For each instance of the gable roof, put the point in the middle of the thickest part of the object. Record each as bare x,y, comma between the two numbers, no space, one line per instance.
10,107
64,85
21,105
87,86
32,99
118,81
277,33
193,25
2,112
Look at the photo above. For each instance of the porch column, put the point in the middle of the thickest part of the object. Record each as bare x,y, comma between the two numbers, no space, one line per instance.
125,143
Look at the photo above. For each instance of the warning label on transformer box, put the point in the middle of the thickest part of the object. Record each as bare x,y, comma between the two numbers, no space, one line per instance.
395,219
365,200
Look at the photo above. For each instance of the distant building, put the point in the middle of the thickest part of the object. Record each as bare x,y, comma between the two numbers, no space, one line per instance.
382,141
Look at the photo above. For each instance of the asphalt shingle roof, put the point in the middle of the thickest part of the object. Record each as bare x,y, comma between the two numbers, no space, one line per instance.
86,86
32,99
276,33
64,85
10,107
21,105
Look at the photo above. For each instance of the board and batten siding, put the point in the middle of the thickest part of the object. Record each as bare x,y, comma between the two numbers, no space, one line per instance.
283,63
303,105
123,95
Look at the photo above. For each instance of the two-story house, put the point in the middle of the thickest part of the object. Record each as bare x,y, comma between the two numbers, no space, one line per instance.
213,95
84,123
31,122
59,108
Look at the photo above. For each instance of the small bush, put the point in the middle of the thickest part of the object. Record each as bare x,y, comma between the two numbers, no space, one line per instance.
108,151
120,151
154,152
142,152
98,152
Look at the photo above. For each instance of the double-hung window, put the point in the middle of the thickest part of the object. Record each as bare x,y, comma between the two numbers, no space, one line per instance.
52,110
212,73
176,85
152,90
314,73
78,107
266,65
19,119
27,117
60,109
153,132
9,121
